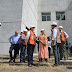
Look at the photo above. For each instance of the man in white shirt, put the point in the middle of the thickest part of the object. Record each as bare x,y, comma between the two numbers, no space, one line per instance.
54,43
64,36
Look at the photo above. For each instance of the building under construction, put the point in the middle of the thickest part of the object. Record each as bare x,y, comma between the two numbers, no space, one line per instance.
17,14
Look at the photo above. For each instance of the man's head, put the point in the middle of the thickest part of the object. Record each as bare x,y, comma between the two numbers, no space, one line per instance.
32,27
16,33
25,31
60,28
53,25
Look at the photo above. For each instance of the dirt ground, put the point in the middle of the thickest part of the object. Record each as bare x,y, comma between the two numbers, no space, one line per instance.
5,66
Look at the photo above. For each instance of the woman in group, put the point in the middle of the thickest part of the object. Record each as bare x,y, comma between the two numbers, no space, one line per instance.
43,46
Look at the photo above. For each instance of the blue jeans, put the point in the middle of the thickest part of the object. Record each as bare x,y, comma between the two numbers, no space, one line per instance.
56,54
30,54
23,53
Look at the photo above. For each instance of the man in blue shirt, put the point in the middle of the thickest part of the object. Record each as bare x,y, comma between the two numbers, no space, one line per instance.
14,40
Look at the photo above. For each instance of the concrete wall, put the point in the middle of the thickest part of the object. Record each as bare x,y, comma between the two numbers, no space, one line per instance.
29,14
10,17
68,23
12,12
13,15
53,6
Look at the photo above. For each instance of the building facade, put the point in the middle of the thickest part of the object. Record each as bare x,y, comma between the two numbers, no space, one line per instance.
17,14
55,10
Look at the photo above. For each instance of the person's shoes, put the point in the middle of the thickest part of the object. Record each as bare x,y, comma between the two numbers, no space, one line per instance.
46,60
13,61
10,61
33,64
55,65
21,62
61,59
38,61
30,65
24,61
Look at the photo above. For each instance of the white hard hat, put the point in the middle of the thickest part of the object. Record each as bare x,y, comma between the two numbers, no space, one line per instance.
54,23
32,26
42,30
25,30
0,24
61,27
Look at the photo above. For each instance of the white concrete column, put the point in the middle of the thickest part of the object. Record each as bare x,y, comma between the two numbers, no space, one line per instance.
53,16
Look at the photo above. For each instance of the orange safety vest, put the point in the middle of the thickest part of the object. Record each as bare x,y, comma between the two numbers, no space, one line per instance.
63,36
31,38
42,38
24,40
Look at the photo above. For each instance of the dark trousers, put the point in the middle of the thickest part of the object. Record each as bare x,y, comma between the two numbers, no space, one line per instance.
56,54
62,50
10,51
23,53
14,47
30,54
49,50
33,48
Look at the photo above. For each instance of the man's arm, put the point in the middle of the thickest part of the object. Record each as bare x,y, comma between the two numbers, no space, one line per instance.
53,42
28,34
23,37
10,39
66,35
54,34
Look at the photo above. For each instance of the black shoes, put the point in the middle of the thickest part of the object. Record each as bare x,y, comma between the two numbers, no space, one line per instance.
22,61
10,61
13,61
55,65
33,64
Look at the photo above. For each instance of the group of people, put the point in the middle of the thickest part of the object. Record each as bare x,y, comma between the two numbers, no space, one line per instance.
58,42
26,42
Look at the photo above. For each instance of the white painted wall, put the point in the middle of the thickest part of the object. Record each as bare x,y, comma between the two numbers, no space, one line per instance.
10,13
53,6
29,14
13,11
